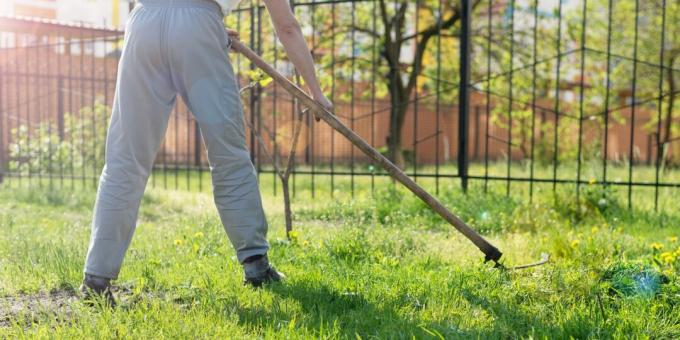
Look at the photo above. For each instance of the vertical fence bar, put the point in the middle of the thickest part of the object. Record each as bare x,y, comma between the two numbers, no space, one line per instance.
39,112
252,90
415,96
107,107
510,94
438,94
659,147
633,106
311,149
81,93
374,63
607,91
352,102
332,165
275,145
3,113
579,151
72,136
187,158
260,91
28,111
164,155
176,151
478,113
40,79
464,93
197,154
17,90
7,117
556,108
60,104
488,95
533,100
93,74
49,79
295,107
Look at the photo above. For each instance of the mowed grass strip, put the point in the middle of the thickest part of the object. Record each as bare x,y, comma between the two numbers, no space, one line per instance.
369,265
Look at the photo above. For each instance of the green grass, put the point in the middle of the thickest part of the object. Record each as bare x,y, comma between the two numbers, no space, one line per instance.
370,265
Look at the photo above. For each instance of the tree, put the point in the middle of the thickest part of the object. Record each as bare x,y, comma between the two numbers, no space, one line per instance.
656,78
384,43
401,77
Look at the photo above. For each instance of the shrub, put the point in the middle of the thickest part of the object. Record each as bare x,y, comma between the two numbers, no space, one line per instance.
41,150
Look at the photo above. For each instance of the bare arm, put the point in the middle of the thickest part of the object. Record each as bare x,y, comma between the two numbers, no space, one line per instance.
290,34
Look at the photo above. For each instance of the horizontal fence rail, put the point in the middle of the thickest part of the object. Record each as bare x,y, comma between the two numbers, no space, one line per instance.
568,94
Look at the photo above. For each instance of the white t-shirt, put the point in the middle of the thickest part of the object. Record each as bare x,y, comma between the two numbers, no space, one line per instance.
227,5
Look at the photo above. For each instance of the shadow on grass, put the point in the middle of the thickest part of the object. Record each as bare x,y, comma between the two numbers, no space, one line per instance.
512,322
350,314
328,312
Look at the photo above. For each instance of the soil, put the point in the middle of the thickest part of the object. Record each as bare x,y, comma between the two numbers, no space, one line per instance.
32,307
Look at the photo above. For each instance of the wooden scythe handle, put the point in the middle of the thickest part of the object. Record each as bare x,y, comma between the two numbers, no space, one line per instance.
491,253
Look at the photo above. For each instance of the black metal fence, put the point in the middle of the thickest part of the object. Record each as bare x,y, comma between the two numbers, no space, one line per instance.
527,94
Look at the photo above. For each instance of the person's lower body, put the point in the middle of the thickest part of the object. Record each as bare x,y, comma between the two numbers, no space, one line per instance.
174,47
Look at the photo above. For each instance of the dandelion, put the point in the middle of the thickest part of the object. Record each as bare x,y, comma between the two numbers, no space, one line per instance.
656,246
575,243
178,242
672,239
667,257
198,235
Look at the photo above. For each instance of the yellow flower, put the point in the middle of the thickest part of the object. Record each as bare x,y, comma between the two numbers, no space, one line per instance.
178,242
667,257
672,239
656,246
592,181
198,234
575,243
594,230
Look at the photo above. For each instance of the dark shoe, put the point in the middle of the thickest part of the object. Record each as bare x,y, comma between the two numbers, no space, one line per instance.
94,287
258,271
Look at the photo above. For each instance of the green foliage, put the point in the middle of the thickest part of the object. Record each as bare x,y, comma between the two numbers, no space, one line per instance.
41,150
628,279
374,273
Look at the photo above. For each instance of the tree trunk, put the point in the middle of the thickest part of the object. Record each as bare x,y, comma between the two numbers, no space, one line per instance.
286,203
394,142
663,148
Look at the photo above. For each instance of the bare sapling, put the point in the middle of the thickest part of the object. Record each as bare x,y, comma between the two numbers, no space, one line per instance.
282,173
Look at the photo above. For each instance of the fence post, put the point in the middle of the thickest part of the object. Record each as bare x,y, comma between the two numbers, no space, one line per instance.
60,108
463,93
2,128
253,90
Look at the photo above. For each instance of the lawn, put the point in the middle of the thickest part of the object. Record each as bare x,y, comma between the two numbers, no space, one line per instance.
376,264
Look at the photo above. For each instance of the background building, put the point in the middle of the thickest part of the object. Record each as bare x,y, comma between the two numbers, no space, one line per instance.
109,13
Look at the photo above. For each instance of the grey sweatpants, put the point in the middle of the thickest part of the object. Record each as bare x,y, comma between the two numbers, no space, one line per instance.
174,47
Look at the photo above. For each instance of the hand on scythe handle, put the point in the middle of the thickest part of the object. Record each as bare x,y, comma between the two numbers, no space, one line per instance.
491,253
